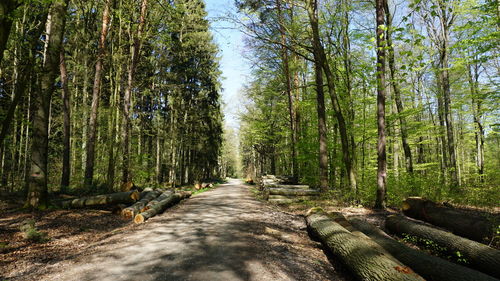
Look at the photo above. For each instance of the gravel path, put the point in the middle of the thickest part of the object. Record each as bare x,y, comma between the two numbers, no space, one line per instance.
222,234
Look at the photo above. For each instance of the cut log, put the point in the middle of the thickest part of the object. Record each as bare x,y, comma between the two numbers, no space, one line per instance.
288,186
300,197
292,192
360,257
478,256
481,228
156,200
171,200
427,266
130,212
105,199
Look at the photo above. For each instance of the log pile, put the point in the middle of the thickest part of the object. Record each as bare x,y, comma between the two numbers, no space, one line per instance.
161,206
427,266
475,226
282,189
99,200
131,204
477,255
363,259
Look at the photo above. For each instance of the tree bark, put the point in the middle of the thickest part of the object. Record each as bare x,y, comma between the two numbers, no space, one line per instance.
66,106
476,227
105,199
479,256
312,9
134,51
6,20
380,202
155,201
362,258
427,266
477,114
397,92
130,212
292,192
161,206
96,95
37,180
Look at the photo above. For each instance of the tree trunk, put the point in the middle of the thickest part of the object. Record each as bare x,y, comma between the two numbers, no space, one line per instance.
427,266
161,206
105,199
292,192
479,256
157,200
362,258
37,180
397,92
477,113
96,95
312,9
381,144
463,223
134,53
130,212
66,107
6,19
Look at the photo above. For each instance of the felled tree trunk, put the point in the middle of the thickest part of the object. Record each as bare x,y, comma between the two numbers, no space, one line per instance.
475,227
130,212
292,192
287,186
364,260
105,199
156,200
427,266
161,206
479,256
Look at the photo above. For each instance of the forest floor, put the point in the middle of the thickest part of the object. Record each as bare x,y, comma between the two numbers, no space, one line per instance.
221,234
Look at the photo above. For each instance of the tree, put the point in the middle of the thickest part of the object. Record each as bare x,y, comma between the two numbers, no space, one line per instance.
37,180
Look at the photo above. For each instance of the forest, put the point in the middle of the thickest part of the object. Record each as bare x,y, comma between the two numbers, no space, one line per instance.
372,115
98,94
363,142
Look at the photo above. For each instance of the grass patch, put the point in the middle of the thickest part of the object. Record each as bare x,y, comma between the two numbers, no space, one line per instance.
31,233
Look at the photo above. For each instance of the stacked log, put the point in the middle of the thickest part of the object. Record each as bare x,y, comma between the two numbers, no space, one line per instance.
477,255
156,200
282,190
105,199
477,227
155,209
362,258
427,266
146,197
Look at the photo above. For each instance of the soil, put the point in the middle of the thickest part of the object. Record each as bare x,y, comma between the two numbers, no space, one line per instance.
221,234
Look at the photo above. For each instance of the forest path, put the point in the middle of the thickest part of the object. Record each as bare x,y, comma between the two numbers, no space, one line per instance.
221,234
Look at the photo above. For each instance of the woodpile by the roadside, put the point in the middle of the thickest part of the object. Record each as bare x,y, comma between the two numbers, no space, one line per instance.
132,205
282,189
355,242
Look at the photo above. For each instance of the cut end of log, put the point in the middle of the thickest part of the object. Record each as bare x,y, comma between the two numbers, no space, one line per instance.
139,219
405,206
135,195
314,210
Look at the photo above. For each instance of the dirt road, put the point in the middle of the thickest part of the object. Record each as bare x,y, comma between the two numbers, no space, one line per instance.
222,234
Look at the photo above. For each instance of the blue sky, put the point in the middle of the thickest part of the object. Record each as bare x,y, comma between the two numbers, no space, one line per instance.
235,69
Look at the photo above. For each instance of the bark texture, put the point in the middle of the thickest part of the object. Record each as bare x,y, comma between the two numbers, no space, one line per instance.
427,266
105,199
365,261
292,192
130,212
479,256
460,222
161,206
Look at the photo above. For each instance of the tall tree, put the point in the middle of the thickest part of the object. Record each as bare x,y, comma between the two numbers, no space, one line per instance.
381,93
6,19
37,180
96,96
134,56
